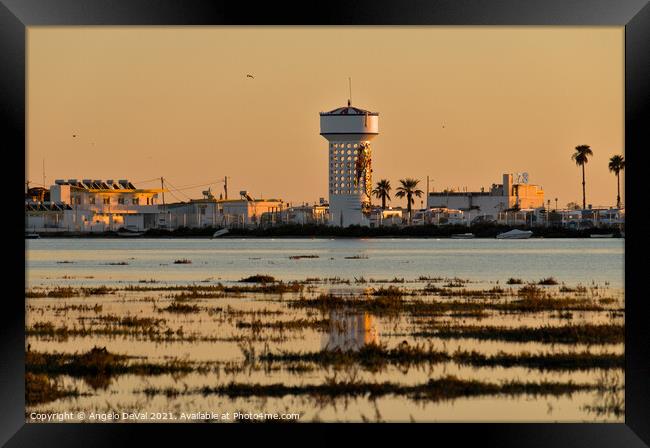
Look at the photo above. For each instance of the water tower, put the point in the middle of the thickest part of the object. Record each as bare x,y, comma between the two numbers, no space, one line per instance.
348,131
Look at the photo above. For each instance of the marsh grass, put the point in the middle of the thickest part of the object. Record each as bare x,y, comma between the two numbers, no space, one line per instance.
98,361
297,324
258,278
548,281
391,300
567,334
448,387
375,357
64,292
129,321
41,389
514,281
179,307
193,290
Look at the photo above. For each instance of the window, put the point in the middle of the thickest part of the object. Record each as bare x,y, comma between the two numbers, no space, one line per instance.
120,200
135,201
91,200
107,200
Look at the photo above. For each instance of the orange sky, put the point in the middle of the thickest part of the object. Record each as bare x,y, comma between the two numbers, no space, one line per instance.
176,102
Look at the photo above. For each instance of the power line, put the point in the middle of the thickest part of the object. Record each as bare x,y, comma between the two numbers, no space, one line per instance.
188,187
176,197
175,189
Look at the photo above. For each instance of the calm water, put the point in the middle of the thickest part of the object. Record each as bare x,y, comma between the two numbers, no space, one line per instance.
568,260
215,333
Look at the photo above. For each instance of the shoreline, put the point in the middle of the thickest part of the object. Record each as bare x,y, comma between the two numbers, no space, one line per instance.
324,231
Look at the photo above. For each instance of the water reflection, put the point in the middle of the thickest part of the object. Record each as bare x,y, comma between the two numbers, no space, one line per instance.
350,331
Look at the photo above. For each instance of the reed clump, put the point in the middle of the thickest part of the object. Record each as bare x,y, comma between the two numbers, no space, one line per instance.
177,306
40,389
548,281
514,281
258,278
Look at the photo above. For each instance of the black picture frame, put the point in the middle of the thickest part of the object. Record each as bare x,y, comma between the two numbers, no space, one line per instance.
634,15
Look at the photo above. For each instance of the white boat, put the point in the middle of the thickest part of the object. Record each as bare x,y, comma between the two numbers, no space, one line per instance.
601,235
515,234
462,236
219,233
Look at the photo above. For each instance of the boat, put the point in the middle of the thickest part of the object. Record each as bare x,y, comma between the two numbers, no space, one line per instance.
129,232
32,236
601,235
123,234
462,236
219,233
515,234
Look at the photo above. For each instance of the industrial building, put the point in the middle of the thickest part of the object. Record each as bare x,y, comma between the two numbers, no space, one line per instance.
348,131
513,193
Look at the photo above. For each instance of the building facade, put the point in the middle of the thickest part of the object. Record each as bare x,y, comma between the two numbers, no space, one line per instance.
512,193
99,206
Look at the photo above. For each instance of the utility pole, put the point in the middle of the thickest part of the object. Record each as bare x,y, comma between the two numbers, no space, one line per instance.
225,187
350,87
162,186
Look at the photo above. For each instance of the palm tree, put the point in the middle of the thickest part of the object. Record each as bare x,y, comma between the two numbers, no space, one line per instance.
581,157
616,165
382,191
408,189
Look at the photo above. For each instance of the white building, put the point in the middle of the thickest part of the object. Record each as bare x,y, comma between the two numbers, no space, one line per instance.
388,217
349,131
515,192
210,212
301,214
441,216
44,217
247,211
99,206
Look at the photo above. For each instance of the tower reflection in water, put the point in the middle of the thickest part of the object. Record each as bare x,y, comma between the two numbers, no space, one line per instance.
350,331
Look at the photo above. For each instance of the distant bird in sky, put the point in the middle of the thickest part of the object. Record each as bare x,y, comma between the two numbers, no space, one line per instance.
74,135
248,75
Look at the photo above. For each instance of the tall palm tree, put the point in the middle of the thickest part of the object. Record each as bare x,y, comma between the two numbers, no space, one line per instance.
408,189
581,157
382,191
616,165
